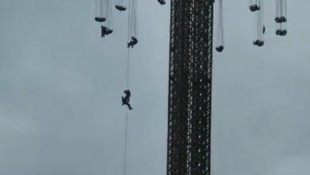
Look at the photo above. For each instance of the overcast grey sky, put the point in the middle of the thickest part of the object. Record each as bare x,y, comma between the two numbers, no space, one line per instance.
60,88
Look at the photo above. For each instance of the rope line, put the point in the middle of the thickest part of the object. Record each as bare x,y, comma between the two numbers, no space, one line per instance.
125,147
96,6
128,69
127,113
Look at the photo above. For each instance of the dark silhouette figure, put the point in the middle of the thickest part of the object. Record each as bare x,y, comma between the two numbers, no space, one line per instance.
120,8
100,19
133,42
105,31
219,48
126,99
281,19
258,43
162,2
281,32
254,8
264,29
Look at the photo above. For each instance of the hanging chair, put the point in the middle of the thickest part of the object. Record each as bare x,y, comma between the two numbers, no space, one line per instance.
100,19
283,19
281,32
220,28
120,7
219,48
258,43
162,2
254,8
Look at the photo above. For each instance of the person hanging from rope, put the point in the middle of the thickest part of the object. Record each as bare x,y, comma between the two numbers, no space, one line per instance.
126,99
220,31
162,2
132,42
120,5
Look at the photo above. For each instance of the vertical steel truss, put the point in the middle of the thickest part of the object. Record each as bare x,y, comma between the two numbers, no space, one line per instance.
190,75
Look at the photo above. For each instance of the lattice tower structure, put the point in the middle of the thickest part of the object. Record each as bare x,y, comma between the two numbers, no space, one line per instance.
190,83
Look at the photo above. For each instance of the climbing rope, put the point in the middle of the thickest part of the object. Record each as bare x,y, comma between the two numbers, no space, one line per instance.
127,113
132,20
220,30
108,13
128,69
125,144
259,27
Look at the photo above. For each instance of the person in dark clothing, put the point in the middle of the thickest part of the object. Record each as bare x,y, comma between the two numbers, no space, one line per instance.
133,42
219,48
281,32
126,99
120,8
254,8
100,19
162,2
105,31
281,19
258,43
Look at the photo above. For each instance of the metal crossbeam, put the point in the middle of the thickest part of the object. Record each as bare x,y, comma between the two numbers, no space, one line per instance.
190,83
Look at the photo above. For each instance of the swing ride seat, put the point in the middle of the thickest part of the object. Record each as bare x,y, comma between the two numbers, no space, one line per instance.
100,19
283,19
258,43
120,7
254,8
281,32
162,2
219,48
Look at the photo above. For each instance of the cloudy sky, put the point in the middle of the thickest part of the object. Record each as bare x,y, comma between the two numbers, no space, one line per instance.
60,88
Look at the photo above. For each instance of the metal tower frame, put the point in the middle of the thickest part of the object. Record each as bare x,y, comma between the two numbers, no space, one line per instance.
190,83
